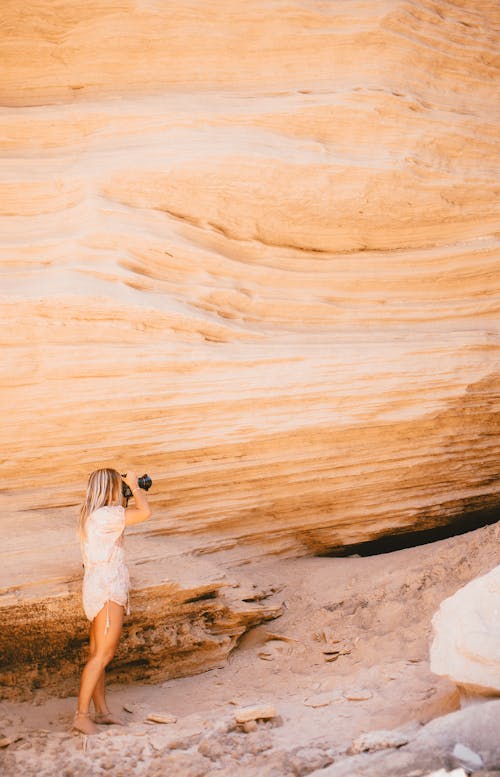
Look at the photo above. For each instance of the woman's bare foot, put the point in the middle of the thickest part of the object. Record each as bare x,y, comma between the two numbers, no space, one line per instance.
108,719
82,722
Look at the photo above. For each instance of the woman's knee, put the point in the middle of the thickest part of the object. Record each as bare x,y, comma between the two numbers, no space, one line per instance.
102,657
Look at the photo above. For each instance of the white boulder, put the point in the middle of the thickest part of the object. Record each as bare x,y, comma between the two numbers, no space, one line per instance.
466,644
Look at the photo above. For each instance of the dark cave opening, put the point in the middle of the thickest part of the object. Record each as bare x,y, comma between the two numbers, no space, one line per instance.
409,539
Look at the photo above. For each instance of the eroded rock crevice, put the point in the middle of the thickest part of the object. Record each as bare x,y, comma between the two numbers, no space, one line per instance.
173,632
391,542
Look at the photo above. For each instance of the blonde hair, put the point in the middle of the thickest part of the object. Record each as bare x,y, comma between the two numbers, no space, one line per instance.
104,488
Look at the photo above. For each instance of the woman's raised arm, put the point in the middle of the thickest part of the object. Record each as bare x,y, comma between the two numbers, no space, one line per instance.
141,511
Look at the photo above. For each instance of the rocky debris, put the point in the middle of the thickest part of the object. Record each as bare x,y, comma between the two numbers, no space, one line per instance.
444,773
328,635
198,748
250,726
161,717
432,747
378,740
261,712
5,741
466,644
304,760
334,647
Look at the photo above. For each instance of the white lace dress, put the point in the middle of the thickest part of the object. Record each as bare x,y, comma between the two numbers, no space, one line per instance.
106,575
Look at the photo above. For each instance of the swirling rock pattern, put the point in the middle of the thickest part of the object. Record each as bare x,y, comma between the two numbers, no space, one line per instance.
255,250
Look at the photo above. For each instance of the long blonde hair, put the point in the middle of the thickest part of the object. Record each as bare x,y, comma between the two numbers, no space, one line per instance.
104,488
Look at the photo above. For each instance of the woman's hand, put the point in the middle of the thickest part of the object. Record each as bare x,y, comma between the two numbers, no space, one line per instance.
142,510
131,479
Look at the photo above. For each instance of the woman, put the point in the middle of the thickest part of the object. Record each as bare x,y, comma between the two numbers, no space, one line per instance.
105,584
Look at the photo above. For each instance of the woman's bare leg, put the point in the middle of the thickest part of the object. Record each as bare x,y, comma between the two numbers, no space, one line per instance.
104,649
98,697
103,714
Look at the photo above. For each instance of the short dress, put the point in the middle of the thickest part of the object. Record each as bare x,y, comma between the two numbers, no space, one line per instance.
106,575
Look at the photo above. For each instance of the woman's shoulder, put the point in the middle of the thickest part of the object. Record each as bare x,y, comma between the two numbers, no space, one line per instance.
108,513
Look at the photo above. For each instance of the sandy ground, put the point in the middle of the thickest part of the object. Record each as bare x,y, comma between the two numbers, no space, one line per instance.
349,655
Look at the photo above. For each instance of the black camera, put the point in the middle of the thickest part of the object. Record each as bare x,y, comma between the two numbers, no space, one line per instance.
144,482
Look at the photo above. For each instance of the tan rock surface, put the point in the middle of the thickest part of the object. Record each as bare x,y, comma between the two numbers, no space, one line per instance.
253,251
257,256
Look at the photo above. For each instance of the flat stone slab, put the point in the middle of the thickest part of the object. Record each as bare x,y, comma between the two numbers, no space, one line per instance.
262,712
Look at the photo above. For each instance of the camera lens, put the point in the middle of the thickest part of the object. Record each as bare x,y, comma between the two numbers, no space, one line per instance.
145,482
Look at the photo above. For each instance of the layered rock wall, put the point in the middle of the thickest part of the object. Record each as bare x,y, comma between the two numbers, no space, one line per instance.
254,250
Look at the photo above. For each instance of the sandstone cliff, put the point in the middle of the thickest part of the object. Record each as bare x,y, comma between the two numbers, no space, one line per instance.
252,249
255,251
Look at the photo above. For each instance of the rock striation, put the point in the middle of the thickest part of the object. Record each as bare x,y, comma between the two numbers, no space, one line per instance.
254,251
258,256
187,614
